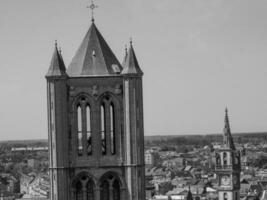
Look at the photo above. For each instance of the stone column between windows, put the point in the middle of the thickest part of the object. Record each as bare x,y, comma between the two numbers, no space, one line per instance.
123,193
84,192
97,193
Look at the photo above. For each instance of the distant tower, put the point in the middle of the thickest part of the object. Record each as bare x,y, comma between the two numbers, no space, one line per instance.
228,166
95,124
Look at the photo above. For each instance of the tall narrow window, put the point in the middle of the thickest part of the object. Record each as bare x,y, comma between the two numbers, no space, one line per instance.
116,190
218,162
79,121
90,190
225,196
224,158
103,130
79,191
104,195
110,188
112,129
88,131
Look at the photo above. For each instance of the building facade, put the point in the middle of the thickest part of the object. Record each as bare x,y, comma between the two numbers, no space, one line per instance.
228,166
95,124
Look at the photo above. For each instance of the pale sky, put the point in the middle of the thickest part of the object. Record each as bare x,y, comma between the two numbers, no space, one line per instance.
198,56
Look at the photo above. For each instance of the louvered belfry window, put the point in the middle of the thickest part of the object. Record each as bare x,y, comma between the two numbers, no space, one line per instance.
84,133
108,126
88,130
103,131
79,120
112,129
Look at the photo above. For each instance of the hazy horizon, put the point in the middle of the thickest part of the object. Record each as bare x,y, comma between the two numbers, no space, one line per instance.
198,56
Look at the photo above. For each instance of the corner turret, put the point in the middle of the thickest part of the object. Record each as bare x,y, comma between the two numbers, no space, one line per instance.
131,64
57,67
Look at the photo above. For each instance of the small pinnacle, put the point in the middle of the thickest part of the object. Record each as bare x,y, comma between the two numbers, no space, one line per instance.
131,41
126,48
226,110
56,43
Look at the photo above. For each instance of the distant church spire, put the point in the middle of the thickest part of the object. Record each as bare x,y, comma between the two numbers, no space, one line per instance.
227,137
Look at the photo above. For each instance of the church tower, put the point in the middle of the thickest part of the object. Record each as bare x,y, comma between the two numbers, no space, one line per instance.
228,166
95,124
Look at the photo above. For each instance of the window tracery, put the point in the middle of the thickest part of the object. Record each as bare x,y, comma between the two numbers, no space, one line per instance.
84,134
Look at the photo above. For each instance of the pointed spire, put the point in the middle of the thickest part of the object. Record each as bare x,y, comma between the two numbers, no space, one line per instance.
131,64
227,137
189,195
226,120
94,57
60,53
57,66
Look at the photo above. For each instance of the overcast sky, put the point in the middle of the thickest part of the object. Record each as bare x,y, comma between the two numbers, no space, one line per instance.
198,56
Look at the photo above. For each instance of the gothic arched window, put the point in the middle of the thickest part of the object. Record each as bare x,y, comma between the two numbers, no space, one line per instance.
79,191
84,134
103,130
224,158
218,163
110,189
116,190
84,188
112,129
104,195
108,117
88,130
90,190
80,135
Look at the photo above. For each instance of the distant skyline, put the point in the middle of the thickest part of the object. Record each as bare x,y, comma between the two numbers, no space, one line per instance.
198,56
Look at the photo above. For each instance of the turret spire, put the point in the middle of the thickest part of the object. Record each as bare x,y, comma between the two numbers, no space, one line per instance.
57,67
227,137
226,120
131,64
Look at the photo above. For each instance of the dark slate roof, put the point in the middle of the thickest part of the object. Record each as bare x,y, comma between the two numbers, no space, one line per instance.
57,66
94,57
227,138
131,65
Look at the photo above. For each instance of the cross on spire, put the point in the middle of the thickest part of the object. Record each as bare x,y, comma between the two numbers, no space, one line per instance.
92,7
